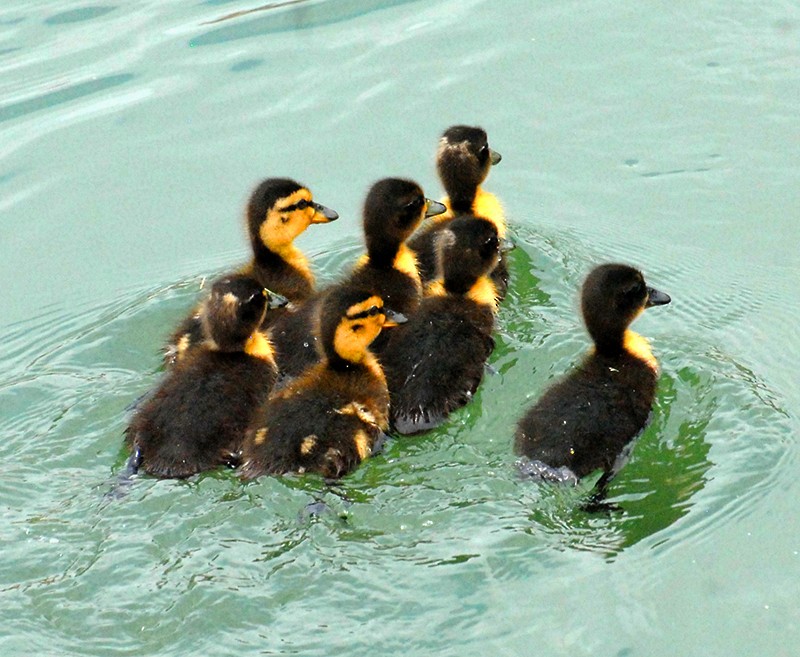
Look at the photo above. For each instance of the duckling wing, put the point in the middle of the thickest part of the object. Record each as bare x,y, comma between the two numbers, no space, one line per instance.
315,429
435,363
198,415
585,421
188,334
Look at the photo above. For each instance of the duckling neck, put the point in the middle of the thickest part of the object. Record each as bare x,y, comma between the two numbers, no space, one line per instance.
382,253
366,363
481,290
403,260
488,206
639,347
461,200
484,292
277,258
630,343
259,346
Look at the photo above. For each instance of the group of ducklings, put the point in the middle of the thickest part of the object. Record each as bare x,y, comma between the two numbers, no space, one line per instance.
271,375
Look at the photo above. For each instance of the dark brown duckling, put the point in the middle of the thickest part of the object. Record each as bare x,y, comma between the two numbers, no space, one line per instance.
586,421
279,210
435,362
393,208
196,418
328,419
463,162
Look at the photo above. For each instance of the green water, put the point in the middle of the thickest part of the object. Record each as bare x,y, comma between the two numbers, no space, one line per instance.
664,135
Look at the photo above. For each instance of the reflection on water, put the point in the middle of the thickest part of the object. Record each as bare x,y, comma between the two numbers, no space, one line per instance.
76,376
286,16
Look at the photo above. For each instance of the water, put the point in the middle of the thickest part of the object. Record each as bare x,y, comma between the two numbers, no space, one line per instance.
665,137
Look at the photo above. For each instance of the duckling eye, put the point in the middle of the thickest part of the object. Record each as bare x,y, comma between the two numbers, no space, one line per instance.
302,205
416,204
374,311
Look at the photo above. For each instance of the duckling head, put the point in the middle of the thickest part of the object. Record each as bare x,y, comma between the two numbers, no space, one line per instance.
467,249
235,310
350,319
394,207
613,295
279,210
463,161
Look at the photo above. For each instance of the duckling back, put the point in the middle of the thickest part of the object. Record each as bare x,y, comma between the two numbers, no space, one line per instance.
328,419
584,422
196,418
435,362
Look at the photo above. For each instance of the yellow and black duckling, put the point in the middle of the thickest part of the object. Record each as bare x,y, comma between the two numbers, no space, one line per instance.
278,211
196,418
394,207
328,419
586,421
463,162
435,362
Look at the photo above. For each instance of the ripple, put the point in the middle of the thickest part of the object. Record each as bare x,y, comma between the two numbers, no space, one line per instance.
289,15
79,15
67,94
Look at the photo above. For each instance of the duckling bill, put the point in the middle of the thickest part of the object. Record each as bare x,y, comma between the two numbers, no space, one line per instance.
585,421
196,418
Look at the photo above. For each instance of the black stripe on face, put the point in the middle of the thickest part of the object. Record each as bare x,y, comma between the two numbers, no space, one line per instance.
370,312
300,205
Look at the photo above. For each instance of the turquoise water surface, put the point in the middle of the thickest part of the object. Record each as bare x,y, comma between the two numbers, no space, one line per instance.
663,135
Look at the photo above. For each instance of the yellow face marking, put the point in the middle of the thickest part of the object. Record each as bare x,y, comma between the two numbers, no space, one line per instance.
487,205
639,347
362,442
282,225
308,444
354,334
484,292
260,436
259,346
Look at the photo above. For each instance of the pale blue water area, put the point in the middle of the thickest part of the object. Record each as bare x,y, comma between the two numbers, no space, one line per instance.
664,135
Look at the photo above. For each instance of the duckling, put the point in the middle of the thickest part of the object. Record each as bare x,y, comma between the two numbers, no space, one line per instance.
393,208
463,161
278,211
435,362
586,421
196,418
328,419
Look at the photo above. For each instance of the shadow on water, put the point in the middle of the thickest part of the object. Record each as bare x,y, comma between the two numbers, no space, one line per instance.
287,16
